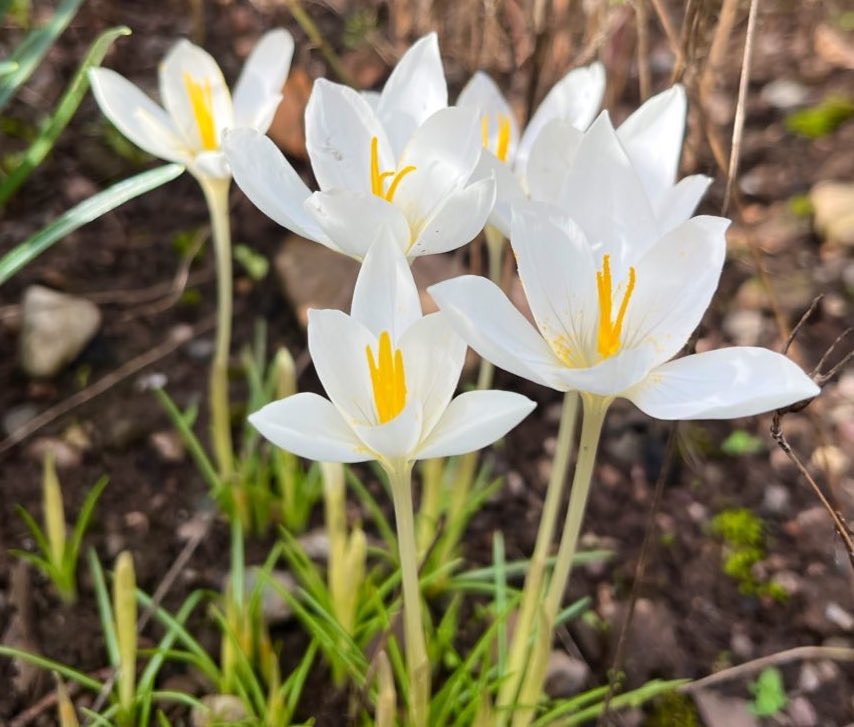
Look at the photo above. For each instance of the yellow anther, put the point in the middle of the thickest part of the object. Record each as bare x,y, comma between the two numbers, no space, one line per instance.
608,342
378,178
387,379
502,146
201,101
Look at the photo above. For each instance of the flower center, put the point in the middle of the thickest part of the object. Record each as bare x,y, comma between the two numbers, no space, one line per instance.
503,144
387,378
378,178
608,342
201,100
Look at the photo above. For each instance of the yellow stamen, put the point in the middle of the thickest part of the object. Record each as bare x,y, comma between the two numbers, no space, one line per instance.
608,342
378,178
387,379
502,146
201,100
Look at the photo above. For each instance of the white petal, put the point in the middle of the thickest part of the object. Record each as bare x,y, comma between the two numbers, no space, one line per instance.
339,126
722,384
551,158
183,61
559,277
675,282
508,190
385,297
354,220
136,116
269,180
338,347
485,318
458,221
652,137
603,193
415,90
372,97
211,164
397,438
483,95
259,88
433,358
473,420
679,202
612,376
444,151
575,98
310,426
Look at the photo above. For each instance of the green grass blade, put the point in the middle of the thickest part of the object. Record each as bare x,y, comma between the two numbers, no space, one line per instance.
105,608
42,662
65,109
35,531
30,52
83,518
86,211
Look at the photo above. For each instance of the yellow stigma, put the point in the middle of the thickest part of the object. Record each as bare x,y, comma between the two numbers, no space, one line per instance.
378,178
503,144
608,342
201,100
387,378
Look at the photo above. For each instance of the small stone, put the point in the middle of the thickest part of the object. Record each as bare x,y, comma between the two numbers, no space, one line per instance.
200,349
65,456
565,675
718,711
776,499
809,680
839,616
151,381
830,459
55,328
744,327
783,93
789,581
168,445
698,512
802,713
17,416
833,203
742,646
219,709
274,608
315,544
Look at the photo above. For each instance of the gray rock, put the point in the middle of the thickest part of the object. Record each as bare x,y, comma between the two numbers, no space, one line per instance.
744,327
55,328
784,93
802,713
17,416
219,709
833,203
274,608
565,675
776,499
718,711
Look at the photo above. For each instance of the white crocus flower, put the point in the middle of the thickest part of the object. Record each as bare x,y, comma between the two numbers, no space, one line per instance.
651,138
399,169
574,101
197,104
390,375
614,300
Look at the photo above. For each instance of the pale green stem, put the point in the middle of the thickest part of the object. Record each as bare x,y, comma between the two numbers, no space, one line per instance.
532,593
432,479
495,251
418,666
216,195
595,408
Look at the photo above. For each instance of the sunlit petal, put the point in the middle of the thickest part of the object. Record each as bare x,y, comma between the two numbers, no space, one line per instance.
259,88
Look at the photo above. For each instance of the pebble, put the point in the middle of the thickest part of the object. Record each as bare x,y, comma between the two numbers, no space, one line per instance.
802,713
274,608
55,328
776,499
833,203
742,646
718,711
783,93
200,349
315,543
65,456
219,709
839,616
168,445
744,327
17,416
565,675
830,459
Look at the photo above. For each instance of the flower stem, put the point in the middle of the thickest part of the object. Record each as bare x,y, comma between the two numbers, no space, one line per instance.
417,664
532,593
216,195
432,482
595,408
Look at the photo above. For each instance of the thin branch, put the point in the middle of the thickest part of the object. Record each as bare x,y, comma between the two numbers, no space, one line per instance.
643,54
738,123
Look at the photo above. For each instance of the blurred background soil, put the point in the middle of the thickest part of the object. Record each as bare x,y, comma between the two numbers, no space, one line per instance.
691,618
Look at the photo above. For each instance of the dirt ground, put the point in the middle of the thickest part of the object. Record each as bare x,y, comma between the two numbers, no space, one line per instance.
691,620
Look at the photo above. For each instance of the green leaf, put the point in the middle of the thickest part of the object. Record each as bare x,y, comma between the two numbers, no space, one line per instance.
741,443
255,264
769,693
30,52
821,120
67,672
65,109
86,211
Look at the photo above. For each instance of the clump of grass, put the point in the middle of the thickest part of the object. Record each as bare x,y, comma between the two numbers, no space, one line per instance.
818,121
